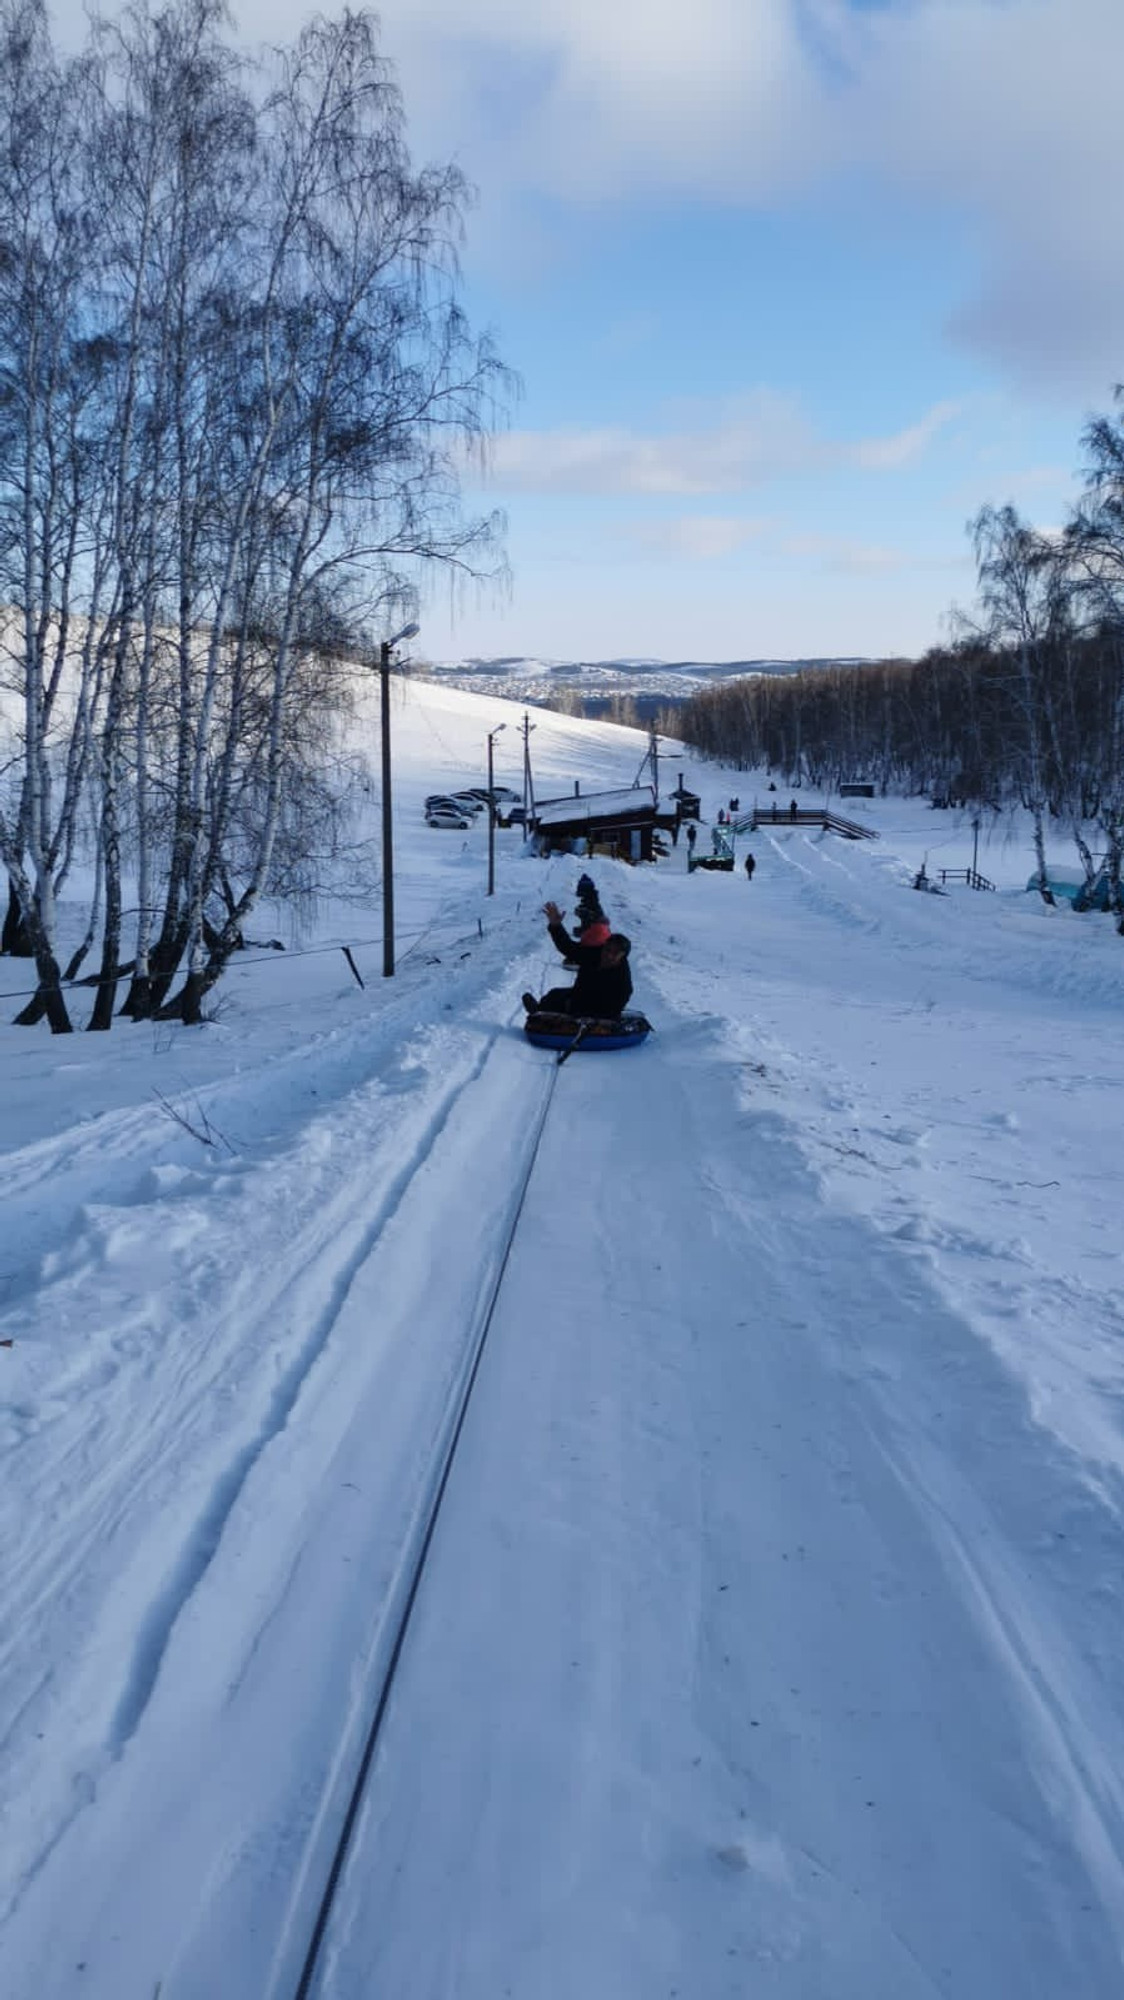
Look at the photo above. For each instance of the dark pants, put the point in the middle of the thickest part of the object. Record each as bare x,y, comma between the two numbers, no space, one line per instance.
560,1000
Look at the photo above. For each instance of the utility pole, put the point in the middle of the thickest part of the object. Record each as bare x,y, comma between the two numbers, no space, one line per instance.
492,734
385,651
975,847
652,756
528,782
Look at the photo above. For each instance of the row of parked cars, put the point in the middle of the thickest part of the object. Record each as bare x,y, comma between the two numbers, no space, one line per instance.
457,810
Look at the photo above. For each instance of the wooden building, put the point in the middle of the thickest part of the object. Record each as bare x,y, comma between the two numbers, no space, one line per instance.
622,825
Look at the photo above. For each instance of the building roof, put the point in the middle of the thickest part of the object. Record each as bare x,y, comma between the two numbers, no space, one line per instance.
631,803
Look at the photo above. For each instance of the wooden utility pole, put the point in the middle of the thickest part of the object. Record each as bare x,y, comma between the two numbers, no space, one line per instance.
528,782
492,734
387,823
385,651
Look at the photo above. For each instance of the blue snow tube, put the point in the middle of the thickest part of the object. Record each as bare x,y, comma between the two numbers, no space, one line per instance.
569,1031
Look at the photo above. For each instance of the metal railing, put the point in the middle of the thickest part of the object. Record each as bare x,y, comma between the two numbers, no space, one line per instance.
971,876
766,816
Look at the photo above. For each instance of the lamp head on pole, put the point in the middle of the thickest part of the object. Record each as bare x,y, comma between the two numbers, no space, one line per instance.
408,632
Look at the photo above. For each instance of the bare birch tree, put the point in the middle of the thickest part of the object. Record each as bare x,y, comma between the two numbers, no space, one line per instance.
43,232
363,383
236,386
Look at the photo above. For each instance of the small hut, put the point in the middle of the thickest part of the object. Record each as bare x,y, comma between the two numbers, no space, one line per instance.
622,825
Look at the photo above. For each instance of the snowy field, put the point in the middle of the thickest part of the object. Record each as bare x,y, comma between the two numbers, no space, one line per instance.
770,1642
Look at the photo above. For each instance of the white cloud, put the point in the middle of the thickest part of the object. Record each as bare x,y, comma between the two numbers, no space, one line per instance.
583,99
842,555
1010,115
888,454
1026,487
1004,113
695,537
759,437
708,538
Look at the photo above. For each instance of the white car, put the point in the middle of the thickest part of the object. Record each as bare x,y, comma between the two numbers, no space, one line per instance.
447,816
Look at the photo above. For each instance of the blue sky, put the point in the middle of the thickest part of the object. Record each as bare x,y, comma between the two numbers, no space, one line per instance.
793,287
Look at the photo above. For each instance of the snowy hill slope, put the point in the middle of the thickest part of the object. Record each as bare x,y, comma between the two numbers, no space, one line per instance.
770,1642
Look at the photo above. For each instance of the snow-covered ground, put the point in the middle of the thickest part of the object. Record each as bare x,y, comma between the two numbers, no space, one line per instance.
770,1643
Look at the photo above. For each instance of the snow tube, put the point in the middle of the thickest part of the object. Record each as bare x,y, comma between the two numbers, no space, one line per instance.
569,1031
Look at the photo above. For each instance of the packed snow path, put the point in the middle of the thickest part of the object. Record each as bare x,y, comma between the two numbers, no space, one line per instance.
805,1733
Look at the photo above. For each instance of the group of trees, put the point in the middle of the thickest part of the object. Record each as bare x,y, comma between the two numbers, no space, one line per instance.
236,384
1026,708
622,708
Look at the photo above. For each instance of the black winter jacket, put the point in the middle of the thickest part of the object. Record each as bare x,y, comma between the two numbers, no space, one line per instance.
602,991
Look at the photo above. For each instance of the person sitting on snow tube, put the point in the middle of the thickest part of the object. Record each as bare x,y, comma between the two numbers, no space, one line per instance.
603,987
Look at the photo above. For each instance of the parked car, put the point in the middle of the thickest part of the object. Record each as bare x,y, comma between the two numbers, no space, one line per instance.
469,801
447,817
511,815
443,802
501,794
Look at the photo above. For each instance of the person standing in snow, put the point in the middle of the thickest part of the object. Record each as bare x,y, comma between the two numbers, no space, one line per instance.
750,865
593,925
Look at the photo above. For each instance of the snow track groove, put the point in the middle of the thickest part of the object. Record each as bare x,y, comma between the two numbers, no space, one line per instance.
413,1565
202,1541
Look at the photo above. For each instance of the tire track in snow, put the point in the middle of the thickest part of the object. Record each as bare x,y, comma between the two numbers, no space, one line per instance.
203,1538
262,1105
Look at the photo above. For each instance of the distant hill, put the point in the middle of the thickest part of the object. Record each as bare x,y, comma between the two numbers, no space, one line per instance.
652,684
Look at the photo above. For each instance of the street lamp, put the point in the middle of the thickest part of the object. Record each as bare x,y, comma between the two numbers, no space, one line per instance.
492,734
385,651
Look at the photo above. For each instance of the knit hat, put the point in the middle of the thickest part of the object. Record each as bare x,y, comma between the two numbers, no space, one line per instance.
588,909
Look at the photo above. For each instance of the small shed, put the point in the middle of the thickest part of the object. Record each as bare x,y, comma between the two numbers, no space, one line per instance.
620,824
687,804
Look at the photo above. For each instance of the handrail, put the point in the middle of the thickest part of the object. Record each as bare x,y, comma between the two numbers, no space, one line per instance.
767,816
971,876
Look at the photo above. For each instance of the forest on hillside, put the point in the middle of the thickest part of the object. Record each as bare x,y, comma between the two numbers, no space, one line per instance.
1025,708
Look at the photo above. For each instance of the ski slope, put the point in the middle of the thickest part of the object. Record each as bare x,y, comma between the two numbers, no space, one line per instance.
769,1638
